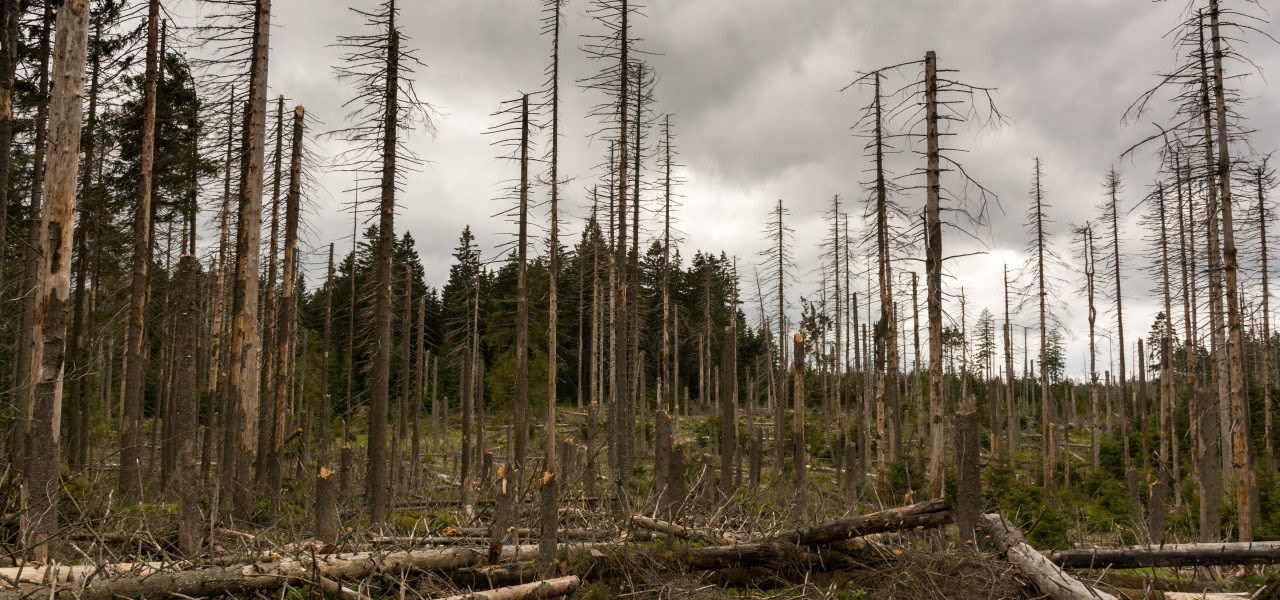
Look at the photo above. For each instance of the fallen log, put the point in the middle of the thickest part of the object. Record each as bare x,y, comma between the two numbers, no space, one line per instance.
491,576
933,513
155,580
549,588
680,531
1169,555
1048,577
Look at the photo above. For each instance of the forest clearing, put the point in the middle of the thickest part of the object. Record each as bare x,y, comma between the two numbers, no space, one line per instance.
232,364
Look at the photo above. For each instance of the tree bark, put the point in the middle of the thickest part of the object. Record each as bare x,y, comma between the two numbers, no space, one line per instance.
1168,555
933,261
380,373
242,382
43,485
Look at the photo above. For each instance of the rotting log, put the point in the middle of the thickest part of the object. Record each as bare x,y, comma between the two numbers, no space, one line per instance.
1169,555
1048,577
548,588
932,513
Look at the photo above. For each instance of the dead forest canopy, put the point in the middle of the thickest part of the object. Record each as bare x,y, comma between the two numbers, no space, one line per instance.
182,383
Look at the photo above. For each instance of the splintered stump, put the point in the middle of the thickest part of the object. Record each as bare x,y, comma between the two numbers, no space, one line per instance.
1048,577
327,526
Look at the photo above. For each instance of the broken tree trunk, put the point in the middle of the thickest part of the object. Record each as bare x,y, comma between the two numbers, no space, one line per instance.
1169,555
677,530
548,588
1047,577
148,580
932,513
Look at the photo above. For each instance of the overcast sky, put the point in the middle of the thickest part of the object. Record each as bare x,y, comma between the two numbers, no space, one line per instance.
753,87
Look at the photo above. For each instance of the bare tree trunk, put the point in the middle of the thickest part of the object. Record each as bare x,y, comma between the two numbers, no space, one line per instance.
622,364
1049,451
516,473
728,409
287,310
1209,415
187,402
550,518
799,455
43,485
1113,189
933,260
263,469
10,13
135,359
1267,407
1242,460
245,333
78,428
1095,448
380,373
1159,492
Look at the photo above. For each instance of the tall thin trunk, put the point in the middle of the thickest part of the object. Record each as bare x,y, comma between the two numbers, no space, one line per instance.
245,334
271,310
549,515
522,307
799,454
135,359
380,373
933,262
1210,413
49,325
1242,461
287,310
1047,429
78,429
10,14
1095,448
1267,431
622,365
1113,189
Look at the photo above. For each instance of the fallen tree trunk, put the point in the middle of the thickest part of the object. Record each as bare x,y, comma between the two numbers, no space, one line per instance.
549,588
1169,555
680,531
492,576
933,513
154,580
1048,577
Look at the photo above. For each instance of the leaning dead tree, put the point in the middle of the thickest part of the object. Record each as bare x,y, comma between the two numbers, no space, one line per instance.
383,109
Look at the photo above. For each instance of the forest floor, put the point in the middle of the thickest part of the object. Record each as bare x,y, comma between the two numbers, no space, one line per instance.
613,557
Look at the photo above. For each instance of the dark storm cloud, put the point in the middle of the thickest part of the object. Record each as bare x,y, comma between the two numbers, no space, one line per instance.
754,89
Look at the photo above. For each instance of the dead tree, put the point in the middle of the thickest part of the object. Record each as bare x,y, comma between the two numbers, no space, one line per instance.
778,265
10,14
1263,180
1012,410
43,484
553,18
383,109
287,311
1043,288
242,381
613,49
799,454
27,361
135,360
